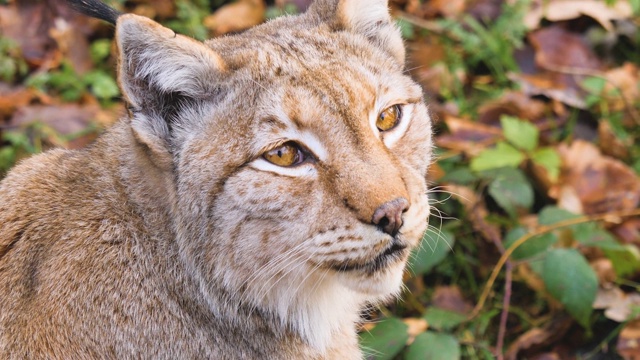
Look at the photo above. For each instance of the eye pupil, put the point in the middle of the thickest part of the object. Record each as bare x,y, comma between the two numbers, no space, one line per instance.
389,118
287,154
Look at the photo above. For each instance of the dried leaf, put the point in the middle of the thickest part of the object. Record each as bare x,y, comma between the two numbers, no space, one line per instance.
628,345
450,298
618,305
538,338
592,183
236,17
468,136
558,10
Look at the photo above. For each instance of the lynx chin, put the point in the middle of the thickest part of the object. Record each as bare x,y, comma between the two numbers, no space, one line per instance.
262,189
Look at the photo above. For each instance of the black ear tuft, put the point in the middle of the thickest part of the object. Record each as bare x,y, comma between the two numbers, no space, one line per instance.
96,9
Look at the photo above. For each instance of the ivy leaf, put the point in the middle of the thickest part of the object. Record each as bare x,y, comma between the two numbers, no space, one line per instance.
503,155
549,159
569,278
434,247
385,340
511,190
522,134
433,346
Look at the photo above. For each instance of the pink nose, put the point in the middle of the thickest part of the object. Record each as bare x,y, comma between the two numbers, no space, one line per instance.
388,216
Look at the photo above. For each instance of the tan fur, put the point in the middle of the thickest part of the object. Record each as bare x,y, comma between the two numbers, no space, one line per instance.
171,237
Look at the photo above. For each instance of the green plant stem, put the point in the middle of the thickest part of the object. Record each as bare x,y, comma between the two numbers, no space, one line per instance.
610,216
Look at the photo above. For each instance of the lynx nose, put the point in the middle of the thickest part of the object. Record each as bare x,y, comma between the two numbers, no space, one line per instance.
388,216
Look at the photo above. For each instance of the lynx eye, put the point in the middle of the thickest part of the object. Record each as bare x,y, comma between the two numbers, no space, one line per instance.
389,118
286,155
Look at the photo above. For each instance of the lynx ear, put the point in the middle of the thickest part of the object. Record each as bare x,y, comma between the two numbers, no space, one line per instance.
370,18
160,73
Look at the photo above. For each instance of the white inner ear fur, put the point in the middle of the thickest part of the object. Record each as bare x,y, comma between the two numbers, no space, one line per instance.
154,56
371,18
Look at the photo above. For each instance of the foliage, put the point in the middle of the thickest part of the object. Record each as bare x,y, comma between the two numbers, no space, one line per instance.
534,190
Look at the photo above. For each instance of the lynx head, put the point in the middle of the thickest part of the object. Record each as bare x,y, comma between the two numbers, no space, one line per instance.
295,155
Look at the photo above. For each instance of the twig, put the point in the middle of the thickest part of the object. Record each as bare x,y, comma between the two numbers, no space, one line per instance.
506,301
539,231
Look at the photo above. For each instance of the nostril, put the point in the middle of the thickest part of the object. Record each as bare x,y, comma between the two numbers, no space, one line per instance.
388,216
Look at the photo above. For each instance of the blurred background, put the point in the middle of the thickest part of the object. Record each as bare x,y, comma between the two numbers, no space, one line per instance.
533,250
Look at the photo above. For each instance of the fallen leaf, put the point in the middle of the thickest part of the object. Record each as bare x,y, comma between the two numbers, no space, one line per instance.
610,144
618,305
450,298
604,270
12,98
591,183
468,136
538,338
559,10
628,231
512,103
628,345
235,17
416,326
427,64
563,60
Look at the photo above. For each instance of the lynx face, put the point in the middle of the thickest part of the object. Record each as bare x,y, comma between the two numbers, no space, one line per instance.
297,152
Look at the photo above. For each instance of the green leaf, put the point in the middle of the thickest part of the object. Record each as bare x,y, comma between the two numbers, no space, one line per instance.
433,346
443,319
550,215
511,190
591,234
594,84
434,247
503,155
522,134
530,248
549,159
626,261
102,85
385,340
569,278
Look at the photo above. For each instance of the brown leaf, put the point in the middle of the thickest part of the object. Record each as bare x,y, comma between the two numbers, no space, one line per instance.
604,270
629,231
416,327
511,103
467,136
236,17
450,298
28,22
558,48
628,345
592,183
538,338
617,304
563,60
611,144
426,61
14,98
558,10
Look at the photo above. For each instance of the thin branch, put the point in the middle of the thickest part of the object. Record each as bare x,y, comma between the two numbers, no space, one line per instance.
610,217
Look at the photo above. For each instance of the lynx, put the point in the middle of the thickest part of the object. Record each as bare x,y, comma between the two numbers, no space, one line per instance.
262,189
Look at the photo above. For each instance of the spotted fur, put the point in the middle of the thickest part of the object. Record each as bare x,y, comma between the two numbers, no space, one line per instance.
172,237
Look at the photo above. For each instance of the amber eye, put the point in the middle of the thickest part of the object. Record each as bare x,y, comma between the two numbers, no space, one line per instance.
287,154
389,118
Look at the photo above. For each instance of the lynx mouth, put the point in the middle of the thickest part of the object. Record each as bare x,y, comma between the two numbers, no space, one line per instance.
390,255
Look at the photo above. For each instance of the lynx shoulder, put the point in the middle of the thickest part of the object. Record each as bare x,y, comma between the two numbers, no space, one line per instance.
263,188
